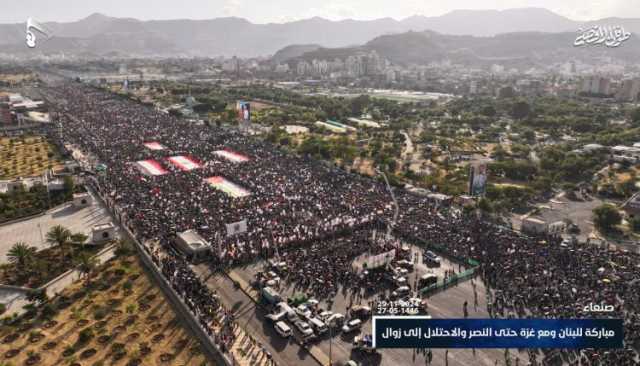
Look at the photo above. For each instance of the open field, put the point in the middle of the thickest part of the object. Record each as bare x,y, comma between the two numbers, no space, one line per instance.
26,156
120,319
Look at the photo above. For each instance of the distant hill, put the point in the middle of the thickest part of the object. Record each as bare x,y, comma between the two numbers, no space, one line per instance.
522,47
294,51
101,35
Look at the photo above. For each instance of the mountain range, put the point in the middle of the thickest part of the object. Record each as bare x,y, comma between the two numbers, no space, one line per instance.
99,34
515,49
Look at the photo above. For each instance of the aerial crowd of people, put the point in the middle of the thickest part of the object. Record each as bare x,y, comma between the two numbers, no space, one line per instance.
298,202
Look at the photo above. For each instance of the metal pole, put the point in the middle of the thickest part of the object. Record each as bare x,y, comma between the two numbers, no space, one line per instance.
395,203
330,345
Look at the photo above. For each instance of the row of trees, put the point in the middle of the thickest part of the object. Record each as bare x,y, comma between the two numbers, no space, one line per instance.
28,265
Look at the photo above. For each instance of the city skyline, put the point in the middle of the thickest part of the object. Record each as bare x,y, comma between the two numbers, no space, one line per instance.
280,11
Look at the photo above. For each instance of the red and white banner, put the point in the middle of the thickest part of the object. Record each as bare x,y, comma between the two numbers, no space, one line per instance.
184,163
154,145
232,156
151,167
230,188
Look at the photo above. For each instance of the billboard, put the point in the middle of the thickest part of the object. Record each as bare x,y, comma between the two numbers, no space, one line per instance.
244,110
477,179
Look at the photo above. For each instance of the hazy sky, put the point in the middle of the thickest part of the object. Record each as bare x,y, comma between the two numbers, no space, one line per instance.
264,11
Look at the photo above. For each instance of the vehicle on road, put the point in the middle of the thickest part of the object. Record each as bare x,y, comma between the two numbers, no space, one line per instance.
401,292
364,344
283,329
291,314
303,327
270,295
427,280
352,326
324,316
303,311
361,311
336,320
318,325
408,265
431,258
276,317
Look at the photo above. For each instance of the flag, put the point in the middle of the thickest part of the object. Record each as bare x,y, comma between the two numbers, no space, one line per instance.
236,228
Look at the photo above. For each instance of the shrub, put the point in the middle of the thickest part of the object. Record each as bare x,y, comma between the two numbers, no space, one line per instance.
85,335
127,285
100,313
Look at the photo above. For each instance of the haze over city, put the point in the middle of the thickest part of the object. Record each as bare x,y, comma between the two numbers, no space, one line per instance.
290,10
320,183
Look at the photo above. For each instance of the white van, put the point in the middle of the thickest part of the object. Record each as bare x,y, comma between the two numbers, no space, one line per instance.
336,320
283,329
276,317
291,314
352,325
318,325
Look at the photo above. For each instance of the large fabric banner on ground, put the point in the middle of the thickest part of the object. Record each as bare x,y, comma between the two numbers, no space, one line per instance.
154,145
184,163
232,156
151,167
230,188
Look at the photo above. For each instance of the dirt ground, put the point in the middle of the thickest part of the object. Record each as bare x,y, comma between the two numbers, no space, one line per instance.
27,156
122,319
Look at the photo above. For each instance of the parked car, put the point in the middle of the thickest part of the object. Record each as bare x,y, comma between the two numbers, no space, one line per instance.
361,311
408,265
303,327
364,344
276,317
303,311
335,320
318,325
324,316
431,258
352,326
427,280
401,292
283,329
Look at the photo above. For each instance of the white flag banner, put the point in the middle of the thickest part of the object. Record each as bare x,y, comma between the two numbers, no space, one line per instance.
236,228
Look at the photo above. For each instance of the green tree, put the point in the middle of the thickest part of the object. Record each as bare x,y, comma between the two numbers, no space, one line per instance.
69,186
78,239
606,217
635,115
87,265
37,296
635,224
520,110
21,255
488,111
59,236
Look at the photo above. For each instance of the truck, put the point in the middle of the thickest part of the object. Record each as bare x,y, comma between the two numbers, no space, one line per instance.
270,295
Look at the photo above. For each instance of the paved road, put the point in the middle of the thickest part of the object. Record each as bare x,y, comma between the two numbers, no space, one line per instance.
252,318
33,231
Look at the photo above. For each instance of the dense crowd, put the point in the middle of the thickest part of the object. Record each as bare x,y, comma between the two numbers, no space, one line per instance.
296,202
538,277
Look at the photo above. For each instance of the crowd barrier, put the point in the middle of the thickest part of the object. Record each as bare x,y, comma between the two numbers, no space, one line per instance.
442,250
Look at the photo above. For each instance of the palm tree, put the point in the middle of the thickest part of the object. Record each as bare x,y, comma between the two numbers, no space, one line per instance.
79,239
86,265
21,254
60,236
